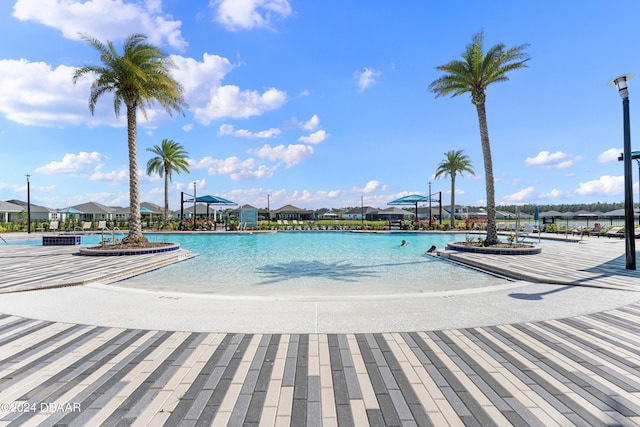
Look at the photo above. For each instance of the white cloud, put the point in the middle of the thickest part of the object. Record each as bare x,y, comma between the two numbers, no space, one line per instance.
365,78
291,154
103,19
312,124
210,100
604,186
32,93
230,101
610,155
117,177
315,138
520,196
557,160
75,164
553,194
248,14
236,168
244,133
369,187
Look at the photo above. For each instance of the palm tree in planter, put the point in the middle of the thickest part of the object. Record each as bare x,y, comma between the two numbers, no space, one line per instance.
170,157
473,74
454,164
138,78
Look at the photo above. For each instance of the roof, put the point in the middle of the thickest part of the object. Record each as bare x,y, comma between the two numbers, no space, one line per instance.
10,207
290,208
358,211
93,207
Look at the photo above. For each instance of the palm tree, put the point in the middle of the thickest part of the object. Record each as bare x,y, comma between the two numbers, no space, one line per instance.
170,157
455,162
473,74
138,78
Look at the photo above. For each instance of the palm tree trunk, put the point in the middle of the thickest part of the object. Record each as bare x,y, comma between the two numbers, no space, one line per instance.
492,232
135,226
166,197
453,201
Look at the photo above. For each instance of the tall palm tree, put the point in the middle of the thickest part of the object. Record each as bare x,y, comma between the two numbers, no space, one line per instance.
170,157
138,78
473,74
454,164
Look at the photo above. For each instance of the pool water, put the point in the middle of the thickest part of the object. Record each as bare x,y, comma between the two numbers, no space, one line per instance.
311,264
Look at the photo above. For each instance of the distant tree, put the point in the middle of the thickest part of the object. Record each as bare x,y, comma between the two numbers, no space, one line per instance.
138,78
454,164
477,70
170,157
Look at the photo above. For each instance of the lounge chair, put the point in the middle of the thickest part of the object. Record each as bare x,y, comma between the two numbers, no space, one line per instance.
52,226
530,228
596,230
102,225
615,232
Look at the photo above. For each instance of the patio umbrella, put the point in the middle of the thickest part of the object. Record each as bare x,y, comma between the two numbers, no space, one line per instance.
412,199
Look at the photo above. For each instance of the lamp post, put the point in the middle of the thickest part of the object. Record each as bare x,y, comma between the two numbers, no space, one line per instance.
630,243
362,211
28,206
430,216
194,205
268,212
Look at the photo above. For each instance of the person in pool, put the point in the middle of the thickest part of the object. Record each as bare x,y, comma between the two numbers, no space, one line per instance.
404,243
431,249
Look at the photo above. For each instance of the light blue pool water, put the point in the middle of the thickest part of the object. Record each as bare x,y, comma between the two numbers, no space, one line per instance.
311,264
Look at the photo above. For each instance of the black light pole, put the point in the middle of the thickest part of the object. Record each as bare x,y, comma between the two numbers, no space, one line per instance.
362,211
630,243
430,216
28,206
268,211
194,205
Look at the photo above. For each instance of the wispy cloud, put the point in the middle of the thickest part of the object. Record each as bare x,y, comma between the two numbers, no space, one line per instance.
227,129
365,78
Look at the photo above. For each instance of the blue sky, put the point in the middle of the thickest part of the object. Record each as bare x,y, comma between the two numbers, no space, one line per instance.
320,104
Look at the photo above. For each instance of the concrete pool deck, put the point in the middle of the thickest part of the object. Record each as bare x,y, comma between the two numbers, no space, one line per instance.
561,351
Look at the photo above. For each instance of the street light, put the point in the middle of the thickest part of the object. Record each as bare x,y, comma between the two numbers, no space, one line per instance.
194,205
430,206
630,243
28,205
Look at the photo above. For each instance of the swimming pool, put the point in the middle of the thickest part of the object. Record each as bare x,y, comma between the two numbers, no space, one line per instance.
311,264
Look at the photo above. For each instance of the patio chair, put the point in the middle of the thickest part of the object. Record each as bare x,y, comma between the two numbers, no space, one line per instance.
530,228
596,230
615,232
